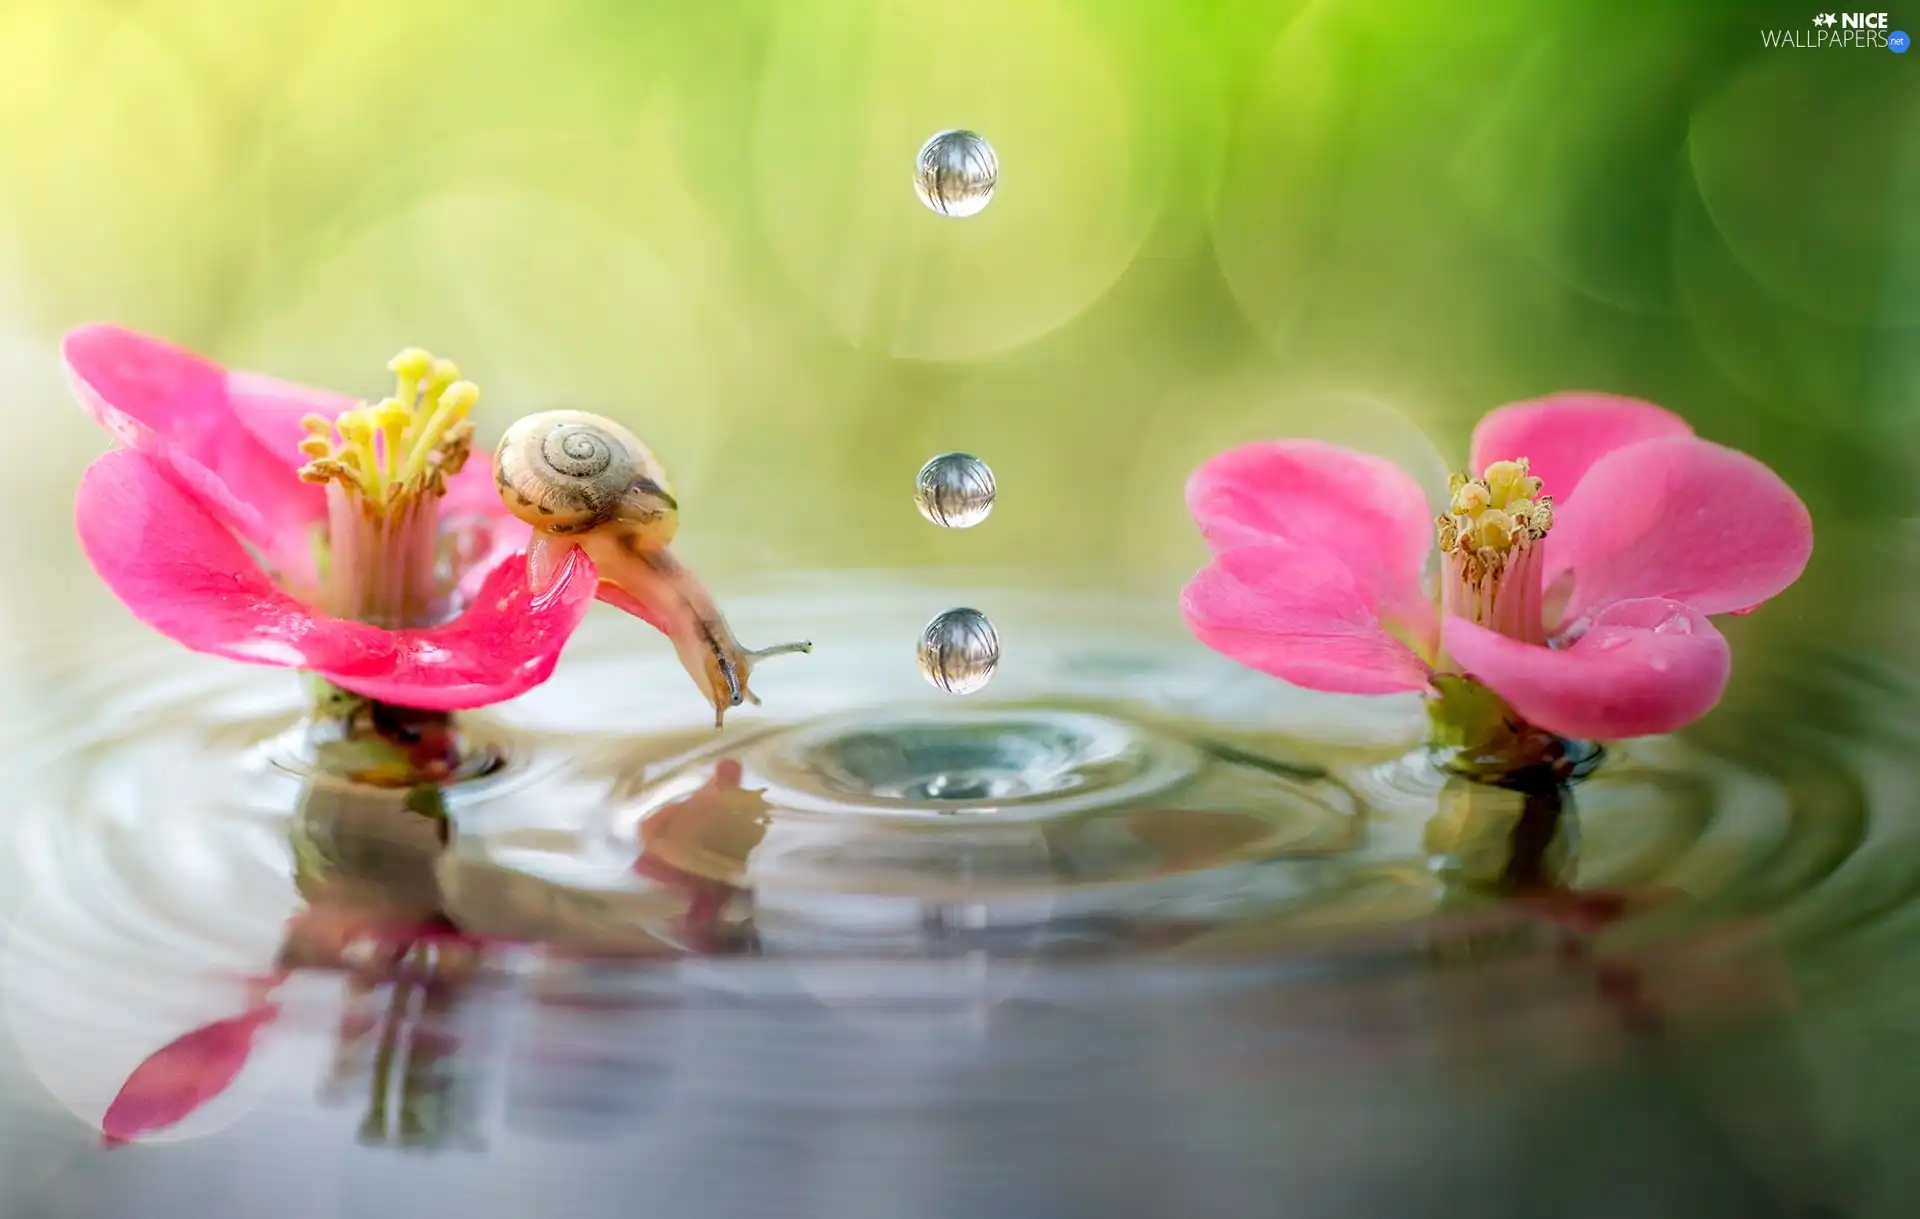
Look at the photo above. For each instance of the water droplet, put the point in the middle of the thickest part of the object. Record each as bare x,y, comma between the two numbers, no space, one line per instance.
956,173
1608,642
959,650
1674,624
954,491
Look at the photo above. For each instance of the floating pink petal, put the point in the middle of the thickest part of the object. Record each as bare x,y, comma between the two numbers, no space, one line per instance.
1684,519
504,644
1355,508
1644,667
182,1076
185,412
182,573
1561,436
1299,615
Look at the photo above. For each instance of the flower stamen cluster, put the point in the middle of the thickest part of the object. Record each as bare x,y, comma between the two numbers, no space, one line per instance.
1489,544
402,448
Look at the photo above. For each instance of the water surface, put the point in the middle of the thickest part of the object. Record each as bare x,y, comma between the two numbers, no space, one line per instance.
1133,931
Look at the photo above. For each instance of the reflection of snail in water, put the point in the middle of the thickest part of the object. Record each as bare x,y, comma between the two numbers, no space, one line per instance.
584,481
699,845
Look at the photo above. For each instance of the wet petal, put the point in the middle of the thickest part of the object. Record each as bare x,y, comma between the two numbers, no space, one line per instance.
1299,615
184,411
181,572
1680,518
1644,667
546,554
182,1076
1561,436
1358,509
505,643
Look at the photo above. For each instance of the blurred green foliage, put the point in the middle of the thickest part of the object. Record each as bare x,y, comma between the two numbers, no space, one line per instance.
1217,220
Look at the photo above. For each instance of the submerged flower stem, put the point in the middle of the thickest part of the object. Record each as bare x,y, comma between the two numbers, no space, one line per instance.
380,744
1472,732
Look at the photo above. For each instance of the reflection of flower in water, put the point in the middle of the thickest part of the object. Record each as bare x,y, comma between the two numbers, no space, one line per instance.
180,1078
363,862
410,1038
1517,844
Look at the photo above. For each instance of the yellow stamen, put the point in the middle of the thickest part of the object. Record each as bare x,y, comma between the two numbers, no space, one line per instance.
403,446
1507,481
455,401
1487,542
409,368
392,417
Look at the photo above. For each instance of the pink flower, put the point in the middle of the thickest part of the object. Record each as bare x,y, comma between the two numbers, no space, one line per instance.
1588,616
204,529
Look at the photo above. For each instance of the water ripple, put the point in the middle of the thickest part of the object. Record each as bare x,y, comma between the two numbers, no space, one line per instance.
1122,815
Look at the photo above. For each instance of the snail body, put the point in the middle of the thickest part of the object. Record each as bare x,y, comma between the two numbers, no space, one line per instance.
584,482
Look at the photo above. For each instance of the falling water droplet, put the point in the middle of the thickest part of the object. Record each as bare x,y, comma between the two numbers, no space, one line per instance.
954,491
956,173
959,651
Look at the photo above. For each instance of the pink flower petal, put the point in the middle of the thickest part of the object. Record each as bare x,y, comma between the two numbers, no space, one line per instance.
1563,435
506,643
1680,518
1644,667
182,1076
271,410
1298,614
485,534
181,409
182,573
1358,509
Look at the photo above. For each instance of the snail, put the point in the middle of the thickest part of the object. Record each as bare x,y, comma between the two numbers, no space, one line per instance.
586,482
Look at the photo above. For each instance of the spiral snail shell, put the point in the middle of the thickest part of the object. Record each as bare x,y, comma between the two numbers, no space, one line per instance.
568,472
587,484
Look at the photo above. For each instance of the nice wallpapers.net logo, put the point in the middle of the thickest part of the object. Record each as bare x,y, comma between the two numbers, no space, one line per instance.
1840,31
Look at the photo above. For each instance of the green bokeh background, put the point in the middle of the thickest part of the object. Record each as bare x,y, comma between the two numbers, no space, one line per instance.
1219,220
1368,220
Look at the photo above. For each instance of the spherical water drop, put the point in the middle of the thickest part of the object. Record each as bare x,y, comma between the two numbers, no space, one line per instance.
959,650
956,173
954,490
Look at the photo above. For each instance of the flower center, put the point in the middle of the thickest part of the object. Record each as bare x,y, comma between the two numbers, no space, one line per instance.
405,447
385,468
1489,543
